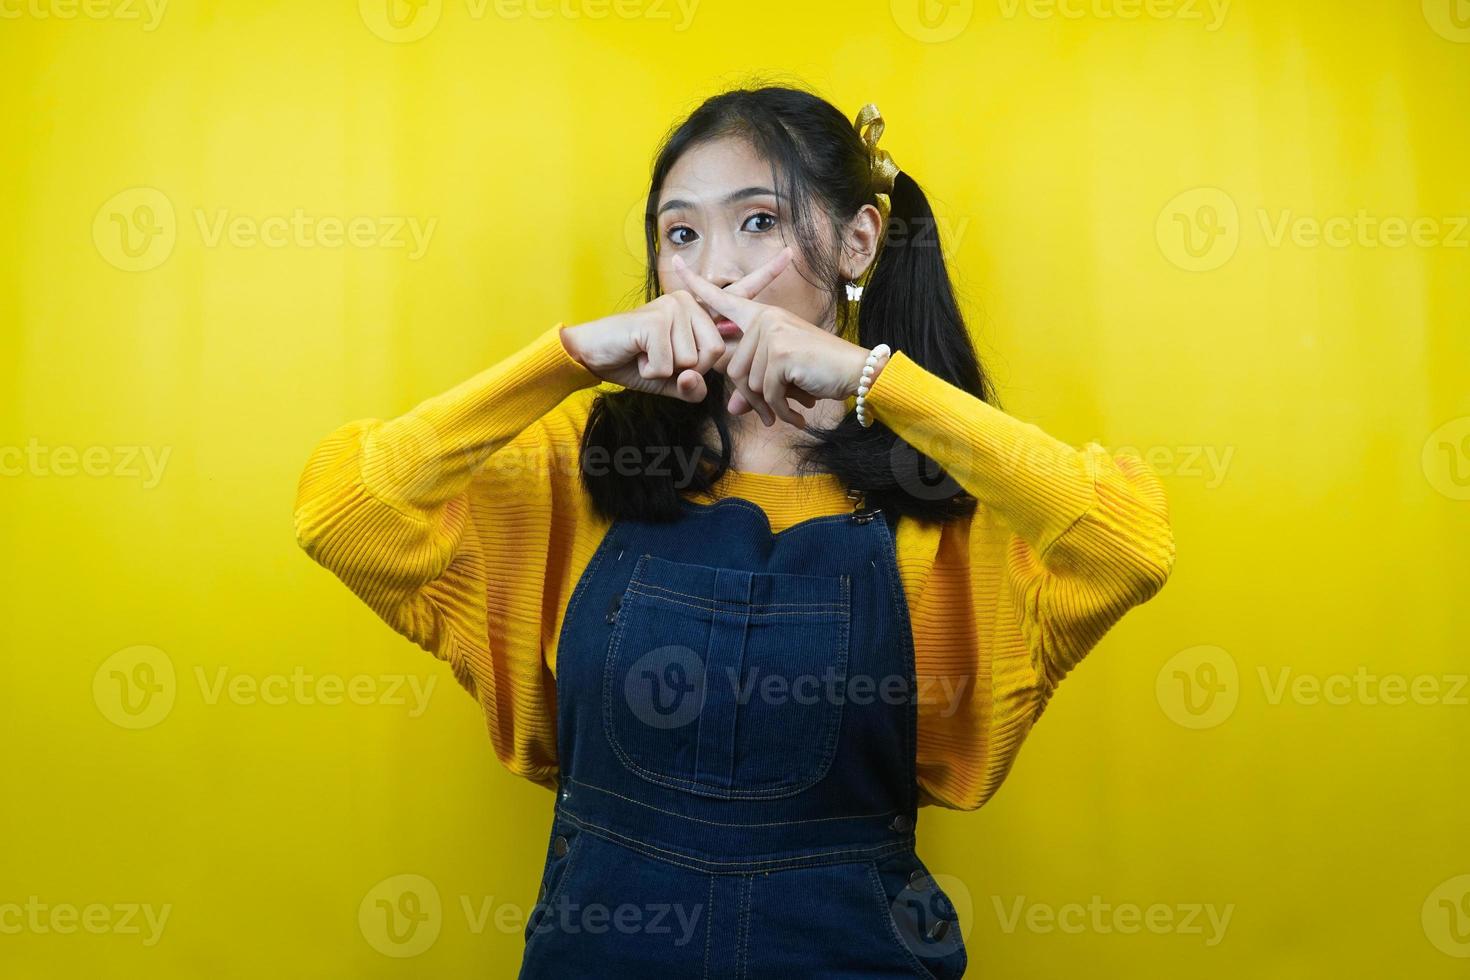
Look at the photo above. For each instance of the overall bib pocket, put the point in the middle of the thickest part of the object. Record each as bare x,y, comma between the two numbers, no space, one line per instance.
727,683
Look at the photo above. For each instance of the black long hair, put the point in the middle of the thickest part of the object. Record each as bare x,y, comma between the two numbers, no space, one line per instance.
822,170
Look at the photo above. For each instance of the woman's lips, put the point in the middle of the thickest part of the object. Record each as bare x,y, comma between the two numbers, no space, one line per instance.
728,328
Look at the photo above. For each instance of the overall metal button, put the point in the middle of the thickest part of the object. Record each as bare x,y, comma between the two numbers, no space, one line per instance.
917,878
939,930
559,846
902,824
541,895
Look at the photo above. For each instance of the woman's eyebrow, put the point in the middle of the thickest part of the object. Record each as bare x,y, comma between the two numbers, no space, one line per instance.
734,197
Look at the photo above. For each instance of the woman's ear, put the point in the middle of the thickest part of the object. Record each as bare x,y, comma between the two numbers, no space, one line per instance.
860,241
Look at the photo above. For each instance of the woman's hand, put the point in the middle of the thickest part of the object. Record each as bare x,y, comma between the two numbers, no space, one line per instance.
778,355
663,347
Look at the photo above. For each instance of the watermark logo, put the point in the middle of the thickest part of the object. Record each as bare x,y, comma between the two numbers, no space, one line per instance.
1199,230
680,463
404,457
1204,919
404,915
926,911
1363,687
302,230
149,13
1362,230
1209,464
1450,19
135,229
135,687
67,918
401,916
1446,917
406,21
117,462
677,920
1198,687
932,21
1446,458
300,688
1210,13
1201,686
667,688
400,21
664,688
919,474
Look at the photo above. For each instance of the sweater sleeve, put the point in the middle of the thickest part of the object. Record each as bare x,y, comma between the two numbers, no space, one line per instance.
403,512
1090,534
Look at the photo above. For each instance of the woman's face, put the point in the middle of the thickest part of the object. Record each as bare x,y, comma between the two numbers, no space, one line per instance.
718,210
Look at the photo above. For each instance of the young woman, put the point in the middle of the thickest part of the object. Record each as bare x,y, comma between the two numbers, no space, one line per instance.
743,626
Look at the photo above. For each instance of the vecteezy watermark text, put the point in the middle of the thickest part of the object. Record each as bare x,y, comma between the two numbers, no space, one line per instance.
121,462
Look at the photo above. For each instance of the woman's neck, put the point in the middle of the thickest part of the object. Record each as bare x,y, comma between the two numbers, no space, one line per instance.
760,448
773,449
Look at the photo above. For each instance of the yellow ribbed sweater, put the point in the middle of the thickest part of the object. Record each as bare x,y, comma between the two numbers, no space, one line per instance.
463,525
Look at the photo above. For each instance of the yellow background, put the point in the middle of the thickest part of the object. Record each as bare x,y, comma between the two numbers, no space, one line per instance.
1306,402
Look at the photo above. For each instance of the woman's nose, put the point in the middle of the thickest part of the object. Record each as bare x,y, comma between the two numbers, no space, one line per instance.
719,266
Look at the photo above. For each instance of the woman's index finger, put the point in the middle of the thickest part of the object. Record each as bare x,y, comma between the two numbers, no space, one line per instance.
762,277
722,301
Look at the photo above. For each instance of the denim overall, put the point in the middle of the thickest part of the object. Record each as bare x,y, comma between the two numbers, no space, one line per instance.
736,727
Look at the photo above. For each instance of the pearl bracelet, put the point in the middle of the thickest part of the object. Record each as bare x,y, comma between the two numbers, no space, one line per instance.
867,380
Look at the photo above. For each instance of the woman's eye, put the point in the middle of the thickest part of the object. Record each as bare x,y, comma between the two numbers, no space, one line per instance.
763,216
761,222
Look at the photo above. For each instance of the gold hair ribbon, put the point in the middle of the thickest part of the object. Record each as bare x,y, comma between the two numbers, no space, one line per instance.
869,124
